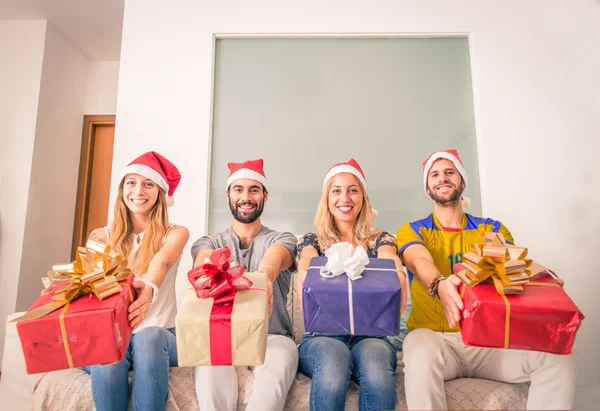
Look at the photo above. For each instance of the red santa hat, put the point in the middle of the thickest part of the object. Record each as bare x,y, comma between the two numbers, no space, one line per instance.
452,155
352,167
252,169
158,169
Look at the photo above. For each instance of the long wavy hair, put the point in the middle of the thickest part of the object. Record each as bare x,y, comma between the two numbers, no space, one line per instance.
327,230
121,238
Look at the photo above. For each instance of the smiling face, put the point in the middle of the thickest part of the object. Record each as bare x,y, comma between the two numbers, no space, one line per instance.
445,185
139,193
345,198
246,200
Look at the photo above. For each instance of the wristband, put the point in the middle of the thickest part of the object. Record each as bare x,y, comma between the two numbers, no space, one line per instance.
432,288
154,290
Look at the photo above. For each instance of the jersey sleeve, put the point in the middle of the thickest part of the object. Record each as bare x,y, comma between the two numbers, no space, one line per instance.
507,235
497,227
408,235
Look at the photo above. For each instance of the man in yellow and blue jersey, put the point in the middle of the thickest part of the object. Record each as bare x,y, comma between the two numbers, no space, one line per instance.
433,350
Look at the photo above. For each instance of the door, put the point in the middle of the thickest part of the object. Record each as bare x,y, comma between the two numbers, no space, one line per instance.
93,190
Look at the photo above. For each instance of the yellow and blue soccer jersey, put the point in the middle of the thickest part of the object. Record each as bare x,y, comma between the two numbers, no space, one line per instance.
447,246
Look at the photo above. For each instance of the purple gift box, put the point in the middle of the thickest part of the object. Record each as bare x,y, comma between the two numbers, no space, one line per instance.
366,306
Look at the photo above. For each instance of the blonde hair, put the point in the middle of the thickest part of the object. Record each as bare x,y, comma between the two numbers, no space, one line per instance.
327,230
121,238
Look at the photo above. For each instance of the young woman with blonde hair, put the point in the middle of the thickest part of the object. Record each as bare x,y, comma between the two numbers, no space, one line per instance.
345,214
141,231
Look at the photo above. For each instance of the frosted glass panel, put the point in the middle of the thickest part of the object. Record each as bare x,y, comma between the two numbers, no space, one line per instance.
306,104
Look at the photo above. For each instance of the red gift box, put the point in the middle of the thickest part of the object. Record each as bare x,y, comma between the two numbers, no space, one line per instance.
542,318
88,331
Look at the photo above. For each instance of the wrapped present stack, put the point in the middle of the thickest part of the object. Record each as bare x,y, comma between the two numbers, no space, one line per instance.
223,319
513,302
346,292
81,317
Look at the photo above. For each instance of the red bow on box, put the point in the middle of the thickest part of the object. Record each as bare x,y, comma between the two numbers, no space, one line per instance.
218,278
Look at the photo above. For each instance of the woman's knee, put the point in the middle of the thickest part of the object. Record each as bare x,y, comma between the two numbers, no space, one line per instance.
150,341
328,357
376,360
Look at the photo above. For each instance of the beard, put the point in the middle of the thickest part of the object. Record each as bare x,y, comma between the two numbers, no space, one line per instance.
449,200
250,218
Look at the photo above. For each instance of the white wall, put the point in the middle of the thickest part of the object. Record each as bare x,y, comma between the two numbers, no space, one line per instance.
55,169
535,71
21,53
101,87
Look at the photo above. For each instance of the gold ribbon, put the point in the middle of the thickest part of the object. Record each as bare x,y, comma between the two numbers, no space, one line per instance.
65,336
96,270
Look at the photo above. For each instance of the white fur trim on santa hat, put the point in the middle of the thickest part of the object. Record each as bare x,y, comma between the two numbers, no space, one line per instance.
247,173
147,172
447,156
344,168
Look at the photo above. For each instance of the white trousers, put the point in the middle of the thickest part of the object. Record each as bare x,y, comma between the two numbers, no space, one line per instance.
217,387
430,358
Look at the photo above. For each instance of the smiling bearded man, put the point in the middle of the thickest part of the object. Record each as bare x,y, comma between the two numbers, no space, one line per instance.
433,350
257,248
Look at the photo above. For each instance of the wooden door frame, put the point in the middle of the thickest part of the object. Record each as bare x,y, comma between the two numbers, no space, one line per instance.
90,122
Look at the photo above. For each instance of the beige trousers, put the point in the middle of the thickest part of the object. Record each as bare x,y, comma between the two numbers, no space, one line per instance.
217,387
430,358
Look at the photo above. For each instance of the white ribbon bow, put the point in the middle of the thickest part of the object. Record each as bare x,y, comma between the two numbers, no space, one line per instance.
343,258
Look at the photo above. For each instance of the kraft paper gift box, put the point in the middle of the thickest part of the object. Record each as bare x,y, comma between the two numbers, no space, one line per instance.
213,334
366,306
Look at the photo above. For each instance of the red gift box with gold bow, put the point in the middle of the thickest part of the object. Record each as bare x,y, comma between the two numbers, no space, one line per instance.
524,309
81,319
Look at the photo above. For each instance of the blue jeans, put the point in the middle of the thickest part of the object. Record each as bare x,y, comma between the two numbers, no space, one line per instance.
331,360
150,353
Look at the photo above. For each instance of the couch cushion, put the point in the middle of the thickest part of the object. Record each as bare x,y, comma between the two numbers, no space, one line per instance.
71,390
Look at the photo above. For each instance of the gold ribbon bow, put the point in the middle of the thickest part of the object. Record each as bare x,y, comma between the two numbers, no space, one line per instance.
493,260
96,270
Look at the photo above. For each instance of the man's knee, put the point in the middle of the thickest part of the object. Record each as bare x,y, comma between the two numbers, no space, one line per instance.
281,347
563,365
422,346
